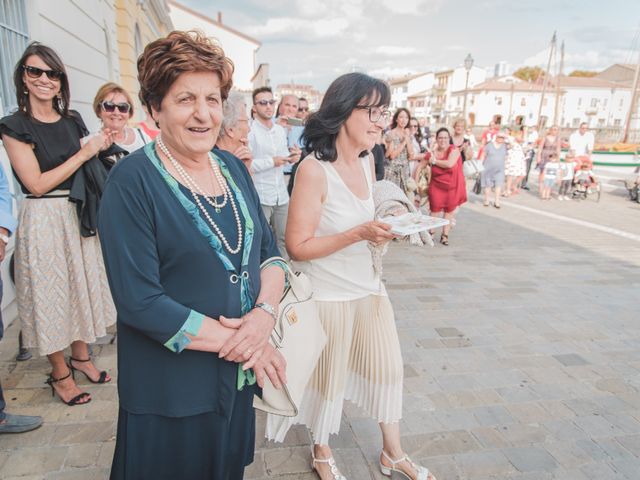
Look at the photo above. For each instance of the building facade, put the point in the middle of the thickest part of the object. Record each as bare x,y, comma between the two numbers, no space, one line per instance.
137,24
313,96
599,102
239,47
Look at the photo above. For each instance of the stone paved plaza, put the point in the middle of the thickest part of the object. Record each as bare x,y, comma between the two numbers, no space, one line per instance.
521,344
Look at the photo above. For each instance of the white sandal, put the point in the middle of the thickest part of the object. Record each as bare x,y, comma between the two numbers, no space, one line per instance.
332,464
423,472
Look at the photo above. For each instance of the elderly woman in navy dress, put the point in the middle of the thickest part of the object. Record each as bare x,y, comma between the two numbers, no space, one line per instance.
195,276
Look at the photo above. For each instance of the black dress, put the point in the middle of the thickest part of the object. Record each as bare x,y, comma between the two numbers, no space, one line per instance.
181,414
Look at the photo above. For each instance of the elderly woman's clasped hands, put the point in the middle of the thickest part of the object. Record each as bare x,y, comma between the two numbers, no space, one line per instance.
250,346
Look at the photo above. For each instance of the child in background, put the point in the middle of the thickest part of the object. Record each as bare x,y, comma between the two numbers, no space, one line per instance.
567,170
551,171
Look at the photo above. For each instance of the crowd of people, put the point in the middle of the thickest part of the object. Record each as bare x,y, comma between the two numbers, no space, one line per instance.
198,209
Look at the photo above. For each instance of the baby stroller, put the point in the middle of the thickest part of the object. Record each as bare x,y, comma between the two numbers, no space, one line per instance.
633,186
585,182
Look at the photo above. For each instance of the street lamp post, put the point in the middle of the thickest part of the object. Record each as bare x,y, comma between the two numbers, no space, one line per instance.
468,63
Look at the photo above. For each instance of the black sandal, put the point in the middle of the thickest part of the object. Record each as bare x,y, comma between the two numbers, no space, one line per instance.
101,379
75,400
444,239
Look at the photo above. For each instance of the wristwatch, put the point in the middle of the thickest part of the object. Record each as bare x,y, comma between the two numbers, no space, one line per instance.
4,238
267,308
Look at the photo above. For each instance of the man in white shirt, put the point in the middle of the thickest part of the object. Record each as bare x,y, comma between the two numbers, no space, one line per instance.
286,116
581,141
268,143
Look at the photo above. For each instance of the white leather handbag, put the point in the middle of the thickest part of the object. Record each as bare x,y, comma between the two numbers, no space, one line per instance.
298,335
472,168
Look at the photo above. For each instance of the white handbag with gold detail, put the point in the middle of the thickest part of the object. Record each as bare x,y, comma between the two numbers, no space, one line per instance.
298,335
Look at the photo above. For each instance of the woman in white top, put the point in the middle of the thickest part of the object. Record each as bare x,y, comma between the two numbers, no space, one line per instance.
331,219
114,107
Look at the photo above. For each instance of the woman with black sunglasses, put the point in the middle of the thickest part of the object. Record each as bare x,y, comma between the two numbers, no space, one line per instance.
61,287
114,107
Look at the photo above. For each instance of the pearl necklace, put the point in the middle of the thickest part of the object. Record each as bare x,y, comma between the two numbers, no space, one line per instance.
191,183
195,190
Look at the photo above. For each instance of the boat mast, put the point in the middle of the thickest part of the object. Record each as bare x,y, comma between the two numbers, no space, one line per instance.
557,107
634,98
546,79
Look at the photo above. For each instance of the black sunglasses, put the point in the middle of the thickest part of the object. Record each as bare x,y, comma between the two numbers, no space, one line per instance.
303,109
35,72
110,107
264,103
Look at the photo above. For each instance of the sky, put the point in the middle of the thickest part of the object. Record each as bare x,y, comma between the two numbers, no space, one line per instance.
314,41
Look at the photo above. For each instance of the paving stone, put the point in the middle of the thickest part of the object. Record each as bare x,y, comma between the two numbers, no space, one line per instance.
34,461
477,464
287,460
570,359
80,474
532,459
439,443
493,415
449,332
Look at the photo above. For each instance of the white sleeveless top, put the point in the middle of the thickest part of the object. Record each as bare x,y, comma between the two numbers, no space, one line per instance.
347,274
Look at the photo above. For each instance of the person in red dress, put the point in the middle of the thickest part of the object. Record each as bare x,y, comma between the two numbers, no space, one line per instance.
447,190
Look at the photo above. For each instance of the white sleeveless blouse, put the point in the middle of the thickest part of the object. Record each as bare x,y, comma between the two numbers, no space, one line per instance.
347,274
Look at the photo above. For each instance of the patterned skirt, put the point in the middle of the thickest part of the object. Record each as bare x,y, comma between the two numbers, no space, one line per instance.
398,172
61,284
361,362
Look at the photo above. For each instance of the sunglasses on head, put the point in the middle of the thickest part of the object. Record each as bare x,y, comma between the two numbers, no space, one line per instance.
35,72
110,107
264,103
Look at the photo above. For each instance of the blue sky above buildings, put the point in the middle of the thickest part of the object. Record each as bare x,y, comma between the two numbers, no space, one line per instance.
312,41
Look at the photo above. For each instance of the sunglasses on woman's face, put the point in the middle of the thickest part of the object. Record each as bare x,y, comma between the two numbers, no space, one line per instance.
110,107
35,72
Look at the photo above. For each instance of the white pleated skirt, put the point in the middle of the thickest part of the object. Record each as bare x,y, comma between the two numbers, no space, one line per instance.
361,362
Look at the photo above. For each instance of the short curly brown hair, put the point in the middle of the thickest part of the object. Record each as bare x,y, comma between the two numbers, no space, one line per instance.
165,59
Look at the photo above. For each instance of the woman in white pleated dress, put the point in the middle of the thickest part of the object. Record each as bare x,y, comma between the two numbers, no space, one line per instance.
331,220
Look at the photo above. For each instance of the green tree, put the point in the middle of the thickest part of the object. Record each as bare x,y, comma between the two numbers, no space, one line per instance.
583,73
529,74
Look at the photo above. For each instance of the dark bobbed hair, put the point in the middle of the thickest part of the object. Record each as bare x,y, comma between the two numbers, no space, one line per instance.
443,129
394,122
165,59
343,95
53,61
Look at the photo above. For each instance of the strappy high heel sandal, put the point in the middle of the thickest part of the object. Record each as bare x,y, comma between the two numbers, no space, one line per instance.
423,472
332,465
75,400
101,379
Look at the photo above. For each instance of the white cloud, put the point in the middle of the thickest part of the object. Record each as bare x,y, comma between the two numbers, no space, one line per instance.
584,60
411,7
395,51
389,72
326,27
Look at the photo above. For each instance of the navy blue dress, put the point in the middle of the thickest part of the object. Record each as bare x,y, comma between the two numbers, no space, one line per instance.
181,414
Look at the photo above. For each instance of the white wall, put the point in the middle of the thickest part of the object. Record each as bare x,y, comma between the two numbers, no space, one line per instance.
241,50
610,105
79,33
